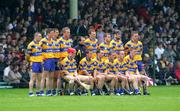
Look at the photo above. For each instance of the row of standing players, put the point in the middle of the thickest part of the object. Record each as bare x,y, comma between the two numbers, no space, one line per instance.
111,64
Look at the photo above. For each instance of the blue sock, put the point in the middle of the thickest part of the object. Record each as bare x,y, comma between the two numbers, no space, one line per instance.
41,92
136,91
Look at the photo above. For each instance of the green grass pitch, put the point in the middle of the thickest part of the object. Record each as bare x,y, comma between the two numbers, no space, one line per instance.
162,98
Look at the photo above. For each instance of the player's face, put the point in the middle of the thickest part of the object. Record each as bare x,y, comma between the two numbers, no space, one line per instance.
112,56
71,55
82,40
67,33
121,54
51,34
133,53
38,37
108,38
89,55
117,36
56,33
93,34
135,37
100,55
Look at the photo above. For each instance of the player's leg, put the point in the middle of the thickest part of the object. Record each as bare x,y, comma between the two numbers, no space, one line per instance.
71,80
123,81
55,85
112,78
135,81
100,78
36,70
31,83
87,80
38,81
144,79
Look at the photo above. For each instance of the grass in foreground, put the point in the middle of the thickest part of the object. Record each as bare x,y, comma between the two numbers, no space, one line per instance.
162,98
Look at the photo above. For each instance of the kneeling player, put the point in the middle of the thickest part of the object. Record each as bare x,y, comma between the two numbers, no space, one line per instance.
132,73
87,71
122,68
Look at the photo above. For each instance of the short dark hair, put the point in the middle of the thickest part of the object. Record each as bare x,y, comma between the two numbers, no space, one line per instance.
65,28
91,30
49,30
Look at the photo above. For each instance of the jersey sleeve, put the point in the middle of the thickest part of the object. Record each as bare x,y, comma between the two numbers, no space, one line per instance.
82,64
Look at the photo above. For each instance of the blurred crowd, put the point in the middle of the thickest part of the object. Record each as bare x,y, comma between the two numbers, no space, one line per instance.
157,22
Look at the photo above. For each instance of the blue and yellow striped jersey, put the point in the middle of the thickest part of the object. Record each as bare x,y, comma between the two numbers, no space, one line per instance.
137,46
117,45
64,46
56,48
69,65
131,64
111,66
105,48
92,46
47,48
121,66
88,65
101,65
34,51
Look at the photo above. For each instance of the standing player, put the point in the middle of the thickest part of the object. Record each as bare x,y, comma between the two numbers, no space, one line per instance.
137,45
116,43
35,53
49,63
65,42
56,50
106,46
91,42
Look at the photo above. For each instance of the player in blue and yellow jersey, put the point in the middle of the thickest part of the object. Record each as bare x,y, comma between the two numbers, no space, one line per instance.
69,70
35,57
65,42
111,77
106,46
87,70
56,51
49,63
91,42
138,46
116,43
121,65
132,71
101,68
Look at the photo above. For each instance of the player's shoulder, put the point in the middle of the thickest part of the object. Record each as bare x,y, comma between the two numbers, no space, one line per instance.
129,42
139,42
31,43
87,40
116,60
83,60
126,57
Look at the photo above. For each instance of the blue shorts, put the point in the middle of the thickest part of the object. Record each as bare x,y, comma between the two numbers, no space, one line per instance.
49,65
36,67
140,65
56,60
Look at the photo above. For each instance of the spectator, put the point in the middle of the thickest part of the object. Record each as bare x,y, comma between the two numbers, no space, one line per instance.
2,66
159,50
11,74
